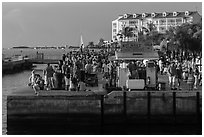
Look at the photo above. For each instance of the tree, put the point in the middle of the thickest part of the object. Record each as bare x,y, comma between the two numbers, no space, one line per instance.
127,32
91,44
101,42
187,36
151,26
152,36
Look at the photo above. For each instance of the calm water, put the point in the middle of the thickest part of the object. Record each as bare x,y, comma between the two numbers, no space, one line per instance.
11,83
31,53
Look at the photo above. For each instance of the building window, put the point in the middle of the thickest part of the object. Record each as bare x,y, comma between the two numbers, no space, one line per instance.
132,23
114,25
164,14
171,22
162,22
153,15
143,15
179,20
174,13
186,13
162,28
114,30
156,22
189,20
134,15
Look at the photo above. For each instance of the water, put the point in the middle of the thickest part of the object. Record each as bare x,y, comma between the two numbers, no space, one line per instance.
31,53
11,83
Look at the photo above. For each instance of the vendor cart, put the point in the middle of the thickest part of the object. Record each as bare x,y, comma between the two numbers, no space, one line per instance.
147,76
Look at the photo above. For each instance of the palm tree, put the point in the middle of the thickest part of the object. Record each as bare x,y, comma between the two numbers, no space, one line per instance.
151,27
120,35
91,44
101,42
127,32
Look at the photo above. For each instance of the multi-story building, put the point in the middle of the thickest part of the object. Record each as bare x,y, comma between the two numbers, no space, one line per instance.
116,27
162,21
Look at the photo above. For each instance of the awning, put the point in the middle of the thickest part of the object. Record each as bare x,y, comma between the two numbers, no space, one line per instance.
137,55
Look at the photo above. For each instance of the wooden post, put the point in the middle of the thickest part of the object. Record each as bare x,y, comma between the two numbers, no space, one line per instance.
102,113
198,106
124,104
148,105
149,112
174,107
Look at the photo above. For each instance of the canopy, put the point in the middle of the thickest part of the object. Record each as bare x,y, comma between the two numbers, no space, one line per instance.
137,55
132,50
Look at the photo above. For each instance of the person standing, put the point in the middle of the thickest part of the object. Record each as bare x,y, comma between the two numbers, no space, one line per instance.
63,57
179,75
32,78
196,74
172,75
48,73
66,73
185,70
190,80
88,68
105,70
160,66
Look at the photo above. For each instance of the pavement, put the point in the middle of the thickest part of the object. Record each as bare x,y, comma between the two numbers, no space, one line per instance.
99,90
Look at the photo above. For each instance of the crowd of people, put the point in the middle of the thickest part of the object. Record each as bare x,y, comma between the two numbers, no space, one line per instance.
178,70
73,69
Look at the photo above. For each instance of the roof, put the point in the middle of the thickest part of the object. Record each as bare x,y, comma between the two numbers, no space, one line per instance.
158,15
136,55
135,51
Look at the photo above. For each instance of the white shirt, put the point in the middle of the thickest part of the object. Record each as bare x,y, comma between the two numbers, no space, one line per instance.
105,68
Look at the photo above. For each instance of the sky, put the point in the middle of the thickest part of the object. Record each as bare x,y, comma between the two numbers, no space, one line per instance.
62,23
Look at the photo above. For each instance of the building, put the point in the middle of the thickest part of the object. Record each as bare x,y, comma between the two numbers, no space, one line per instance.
116,27
162,21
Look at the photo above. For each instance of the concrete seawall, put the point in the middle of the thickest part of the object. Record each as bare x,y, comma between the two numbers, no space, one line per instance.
97,115
17,66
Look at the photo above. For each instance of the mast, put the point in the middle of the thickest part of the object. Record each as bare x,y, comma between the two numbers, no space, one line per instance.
81,43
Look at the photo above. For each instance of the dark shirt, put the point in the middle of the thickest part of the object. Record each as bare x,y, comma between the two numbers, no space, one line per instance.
49,71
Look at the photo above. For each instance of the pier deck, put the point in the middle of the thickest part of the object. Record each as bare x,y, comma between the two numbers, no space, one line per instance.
132,112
